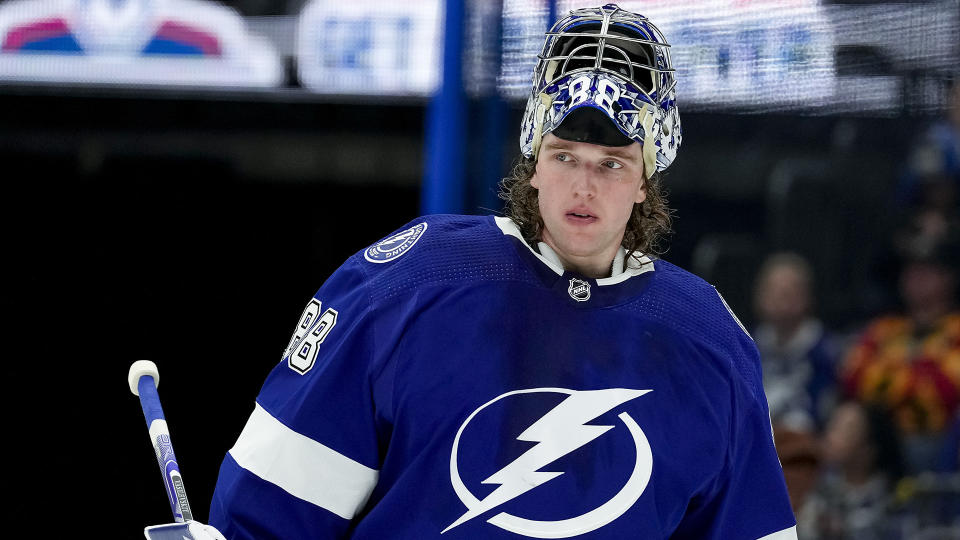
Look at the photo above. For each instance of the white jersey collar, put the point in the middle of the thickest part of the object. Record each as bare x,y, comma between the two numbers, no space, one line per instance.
622,268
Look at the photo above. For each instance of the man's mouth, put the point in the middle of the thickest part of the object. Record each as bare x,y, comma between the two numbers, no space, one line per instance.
581,216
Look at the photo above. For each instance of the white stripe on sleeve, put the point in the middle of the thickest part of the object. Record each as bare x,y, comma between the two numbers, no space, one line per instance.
786,534
302,466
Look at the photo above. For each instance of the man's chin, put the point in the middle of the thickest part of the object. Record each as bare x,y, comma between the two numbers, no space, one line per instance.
577,248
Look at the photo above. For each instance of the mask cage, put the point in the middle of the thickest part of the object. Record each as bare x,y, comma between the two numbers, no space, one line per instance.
615,44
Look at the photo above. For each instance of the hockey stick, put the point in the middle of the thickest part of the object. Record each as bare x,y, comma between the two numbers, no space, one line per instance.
143,379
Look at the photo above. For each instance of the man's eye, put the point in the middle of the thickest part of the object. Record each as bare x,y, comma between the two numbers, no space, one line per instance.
611,164
563,157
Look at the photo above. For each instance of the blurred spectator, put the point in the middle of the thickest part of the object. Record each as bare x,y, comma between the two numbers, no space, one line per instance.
910,363
932,179
798,356
862,464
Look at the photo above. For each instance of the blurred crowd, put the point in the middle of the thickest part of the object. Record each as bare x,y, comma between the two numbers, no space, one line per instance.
867,421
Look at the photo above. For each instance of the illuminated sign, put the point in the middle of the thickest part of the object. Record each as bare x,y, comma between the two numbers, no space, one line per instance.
178,42
733,52
370,47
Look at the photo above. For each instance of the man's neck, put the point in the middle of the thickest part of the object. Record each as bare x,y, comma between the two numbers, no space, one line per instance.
591,269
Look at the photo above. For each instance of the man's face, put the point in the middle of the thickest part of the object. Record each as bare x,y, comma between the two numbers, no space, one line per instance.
783,297
927,283
587,193
845,438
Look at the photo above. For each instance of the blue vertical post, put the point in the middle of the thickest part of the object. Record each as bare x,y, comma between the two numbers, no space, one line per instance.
493,122
551,13
446,137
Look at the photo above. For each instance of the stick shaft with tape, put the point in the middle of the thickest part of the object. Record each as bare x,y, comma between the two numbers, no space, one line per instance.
144,378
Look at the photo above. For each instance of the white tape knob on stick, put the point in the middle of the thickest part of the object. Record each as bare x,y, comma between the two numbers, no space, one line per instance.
139,369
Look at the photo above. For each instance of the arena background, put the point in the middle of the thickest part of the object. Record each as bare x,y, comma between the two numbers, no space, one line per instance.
185,212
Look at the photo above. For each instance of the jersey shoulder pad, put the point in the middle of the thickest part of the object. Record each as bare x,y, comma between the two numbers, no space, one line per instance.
695,308
691,298
437,249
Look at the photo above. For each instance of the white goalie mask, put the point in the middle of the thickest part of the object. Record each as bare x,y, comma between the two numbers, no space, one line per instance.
614,66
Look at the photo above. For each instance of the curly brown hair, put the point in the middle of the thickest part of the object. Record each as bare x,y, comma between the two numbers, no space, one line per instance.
647,229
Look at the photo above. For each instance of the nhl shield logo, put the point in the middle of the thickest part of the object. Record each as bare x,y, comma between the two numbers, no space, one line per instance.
579,290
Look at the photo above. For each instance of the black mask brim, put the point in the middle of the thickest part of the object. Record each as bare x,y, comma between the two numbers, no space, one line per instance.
591,125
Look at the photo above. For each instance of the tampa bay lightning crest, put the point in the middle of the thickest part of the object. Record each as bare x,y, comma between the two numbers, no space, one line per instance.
396,245
558,433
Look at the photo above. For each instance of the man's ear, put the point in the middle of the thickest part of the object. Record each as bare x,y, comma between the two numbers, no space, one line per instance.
534,181
641,191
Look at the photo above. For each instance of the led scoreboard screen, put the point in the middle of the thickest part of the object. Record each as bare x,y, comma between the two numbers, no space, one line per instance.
731,55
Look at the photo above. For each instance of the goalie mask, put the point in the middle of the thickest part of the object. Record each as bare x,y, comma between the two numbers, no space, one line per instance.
605,77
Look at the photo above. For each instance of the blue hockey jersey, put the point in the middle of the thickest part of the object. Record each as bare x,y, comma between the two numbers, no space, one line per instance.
450,382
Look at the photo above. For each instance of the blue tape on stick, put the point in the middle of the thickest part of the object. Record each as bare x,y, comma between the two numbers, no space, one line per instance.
149,400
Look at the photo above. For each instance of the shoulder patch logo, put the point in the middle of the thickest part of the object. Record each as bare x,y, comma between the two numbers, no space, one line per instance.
579,290
395,246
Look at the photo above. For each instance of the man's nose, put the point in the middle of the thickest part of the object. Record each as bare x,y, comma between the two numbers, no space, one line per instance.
585,182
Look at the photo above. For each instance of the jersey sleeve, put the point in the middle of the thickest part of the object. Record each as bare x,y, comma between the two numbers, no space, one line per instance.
747,499
307,460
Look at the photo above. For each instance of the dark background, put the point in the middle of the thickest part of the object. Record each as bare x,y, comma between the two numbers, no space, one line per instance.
124,249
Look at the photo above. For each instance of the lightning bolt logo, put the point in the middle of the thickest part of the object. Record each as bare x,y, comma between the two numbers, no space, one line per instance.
561,431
